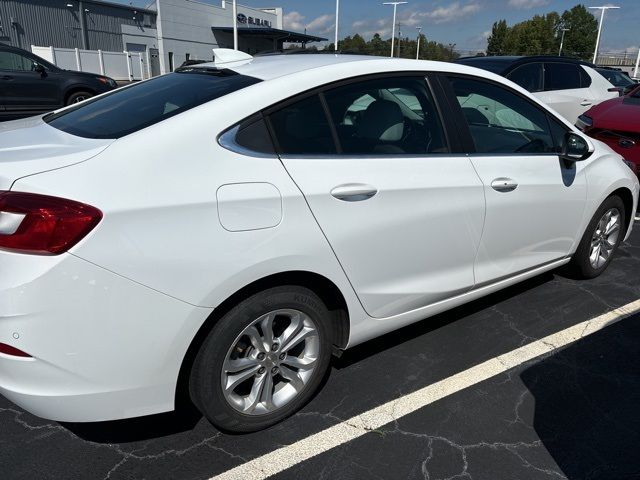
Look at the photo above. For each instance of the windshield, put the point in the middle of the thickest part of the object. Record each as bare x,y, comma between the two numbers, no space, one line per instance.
130,109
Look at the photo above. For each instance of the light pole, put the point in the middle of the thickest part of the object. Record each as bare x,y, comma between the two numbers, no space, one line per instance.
399,37
418,44
337,14
603,8
235,25
564,30
393,28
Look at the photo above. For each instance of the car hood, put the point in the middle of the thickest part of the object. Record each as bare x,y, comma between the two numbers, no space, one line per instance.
622,114
31,146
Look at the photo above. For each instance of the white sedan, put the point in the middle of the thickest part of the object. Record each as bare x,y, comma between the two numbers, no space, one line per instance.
218,232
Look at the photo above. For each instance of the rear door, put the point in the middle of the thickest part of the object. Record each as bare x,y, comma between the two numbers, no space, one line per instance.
566,89
402,213
534,200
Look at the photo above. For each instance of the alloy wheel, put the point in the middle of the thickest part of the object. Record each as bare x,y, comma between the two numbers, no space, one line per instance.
270,362
605,238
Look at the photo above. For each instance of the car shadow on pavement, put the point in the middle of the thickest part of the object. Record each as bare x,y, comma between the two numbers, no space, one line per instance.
587,404
402,335
137,429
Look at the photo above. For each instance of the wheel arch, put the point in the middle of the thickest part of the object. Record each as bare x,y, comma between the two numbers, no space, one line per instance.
319,284
627,199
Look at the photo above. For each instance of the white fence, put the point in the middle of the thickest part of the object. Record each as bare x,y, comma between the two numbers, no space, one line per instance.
127,66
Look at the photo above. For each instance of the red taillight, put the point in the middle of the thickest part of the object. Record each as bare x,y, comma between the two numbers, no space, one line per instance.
13,351
43,225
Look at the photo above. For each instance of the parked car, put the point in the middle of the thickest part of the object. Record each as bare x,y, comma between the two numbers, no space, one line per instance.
223,229
568,86
29,85
617,78
616,122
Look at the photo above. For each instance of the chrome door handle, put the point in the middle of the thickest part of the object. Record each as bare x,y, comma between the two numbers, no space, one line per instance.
353,192
585,103
504,184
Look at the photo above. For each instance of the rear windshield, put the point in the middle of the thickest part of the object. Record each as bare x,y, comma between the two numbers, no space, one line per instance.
130,109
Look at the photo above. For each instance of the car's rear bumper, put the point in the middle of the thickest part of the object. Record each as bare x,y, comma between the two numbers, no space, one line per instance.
103,347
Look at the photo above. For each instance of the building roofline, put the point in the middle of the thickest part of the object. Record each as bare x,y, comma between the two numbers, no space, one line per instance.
119,5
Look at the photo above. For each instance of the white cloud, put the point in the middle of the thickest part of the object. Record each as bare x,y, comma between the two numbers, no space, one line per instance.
527,3
293,21
320,25
451,13
415,18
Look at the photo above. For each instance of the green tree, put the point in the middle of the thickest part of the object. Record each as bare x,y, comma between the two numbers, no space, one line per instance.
540,35
498,37
580,40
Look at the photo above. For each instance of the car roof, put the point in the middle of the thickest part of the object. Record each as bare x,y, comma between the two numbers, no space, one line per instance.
273,66
500,64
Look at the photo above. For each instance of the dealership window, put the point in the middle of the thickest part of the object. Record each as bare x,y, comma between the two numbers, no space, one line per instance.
501,121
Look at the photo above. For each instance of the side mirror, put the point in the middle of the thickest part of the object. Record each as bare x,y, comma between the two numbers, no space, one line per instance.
575,148
39,68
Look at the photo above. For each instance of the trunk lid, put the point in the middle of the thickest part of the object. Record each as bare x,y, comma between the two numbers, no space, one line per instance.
31,146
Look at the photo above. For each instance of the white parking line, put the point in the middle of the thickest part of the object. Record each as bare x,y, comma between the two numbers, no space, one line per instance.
309,447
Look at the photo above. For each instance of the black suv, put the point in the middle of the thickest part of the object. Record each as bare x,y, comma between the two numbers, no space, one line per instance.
30,85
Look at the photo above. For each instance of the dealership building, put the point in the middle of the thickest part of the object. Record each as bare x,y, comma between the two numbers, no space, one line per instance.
166,32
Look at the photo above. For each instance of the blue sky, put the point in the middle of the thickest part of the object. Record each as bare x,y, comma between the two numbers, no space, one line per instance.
463,22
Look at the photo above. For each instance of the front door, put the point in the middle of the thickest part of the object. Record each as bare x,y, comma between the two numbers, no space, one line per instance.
402,214
535,201
23,88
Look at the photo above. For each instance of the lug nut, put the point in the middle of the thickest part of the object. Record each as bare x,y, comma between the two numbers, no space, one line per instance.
274,370
262,370
261,356
274,347
283,356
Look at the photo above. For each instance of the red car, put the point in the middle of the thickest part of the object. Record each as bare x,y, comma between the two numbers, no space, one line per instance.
616,122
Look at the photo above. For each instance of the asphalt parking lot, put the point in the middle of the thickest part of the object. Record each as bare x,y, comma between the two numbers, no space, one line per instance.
569,413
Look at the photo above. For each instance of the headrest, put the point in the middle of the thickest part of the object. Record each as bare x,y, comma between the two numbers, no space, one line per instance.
383,121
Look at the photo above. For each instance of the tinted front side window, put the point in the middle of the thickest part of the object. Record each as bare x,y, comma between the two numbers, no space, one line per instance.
500,121
130,109
302,128
528,76
14,62
561,76
386,116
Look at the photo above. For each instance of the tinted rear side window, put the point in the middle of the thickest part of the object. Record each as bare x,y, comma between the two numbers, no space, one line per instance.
302,128
561,76
528,76
134,108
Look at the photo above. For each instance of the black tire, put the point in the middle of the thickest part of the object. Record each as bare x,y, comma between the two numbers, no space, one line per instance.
76,97
205,383
580,265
